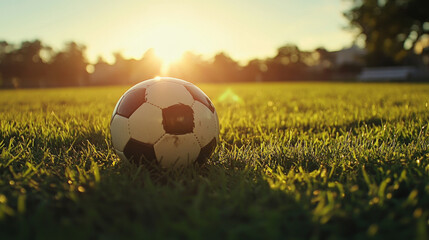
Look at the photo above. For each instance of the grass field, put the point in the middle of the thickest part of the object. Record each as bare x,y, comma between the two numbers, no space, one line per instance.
296,161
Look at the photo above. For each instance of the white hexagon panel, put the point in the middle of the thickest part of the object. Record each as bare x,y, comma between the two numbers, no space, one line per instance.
174,80
165,94
120,132
144,84
177,150
146,124
205,128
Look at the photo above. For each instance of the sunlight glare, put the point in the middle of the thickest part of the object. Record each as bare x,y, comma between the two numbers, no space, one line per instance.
168,54
170,32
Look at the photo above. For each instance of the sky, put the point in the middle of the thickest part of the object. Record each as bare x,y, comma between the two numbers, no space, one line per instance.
244,29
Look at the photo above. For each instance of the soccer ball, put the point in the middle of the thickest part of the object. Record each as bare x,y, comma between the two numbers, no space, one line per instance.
165,120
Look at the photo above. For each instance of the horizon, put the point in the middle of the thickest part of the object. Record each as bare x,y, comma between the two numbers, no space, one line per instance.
134,27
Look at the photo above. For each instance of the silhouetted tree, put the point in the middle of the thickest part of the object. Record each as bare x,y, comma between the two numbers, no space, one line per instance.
32,68
391,28
193,68
122,69
68,67
254,71
5,47
149,66
22,66
102,74
225,69
5,64
126,71
286,65
325,64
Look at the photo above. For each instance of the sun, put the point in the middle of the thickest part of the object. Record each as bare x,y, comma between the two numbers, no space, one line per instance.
169,41
171,30
169,38
168,54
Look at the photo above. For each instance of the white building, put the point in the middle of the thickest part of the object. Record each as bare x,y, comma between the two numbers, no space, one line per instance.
352,55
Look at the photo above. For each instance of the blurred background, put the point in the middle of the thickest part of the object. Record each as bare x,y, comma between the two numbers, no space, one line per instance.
82,43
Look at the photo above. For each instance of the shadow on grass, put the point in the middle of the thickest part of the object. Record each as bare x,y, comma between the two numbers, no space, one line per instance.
132,201
218,200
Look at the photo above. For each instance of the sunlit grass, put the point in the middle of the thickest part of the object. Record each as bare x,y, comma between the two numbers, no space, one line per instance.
295,161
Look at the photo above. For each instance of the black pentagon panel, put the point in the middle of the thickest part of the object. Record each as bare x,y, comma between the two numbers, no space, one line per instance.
199,96
131,101
178,119
137,151
206,152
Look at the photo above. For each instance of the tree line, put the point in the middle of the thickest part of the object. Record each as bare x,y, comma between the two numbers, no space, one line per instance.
35,64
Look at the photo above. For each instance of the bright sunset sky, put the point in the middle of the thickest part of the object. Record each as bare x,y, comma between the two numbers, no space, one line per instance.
243,28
